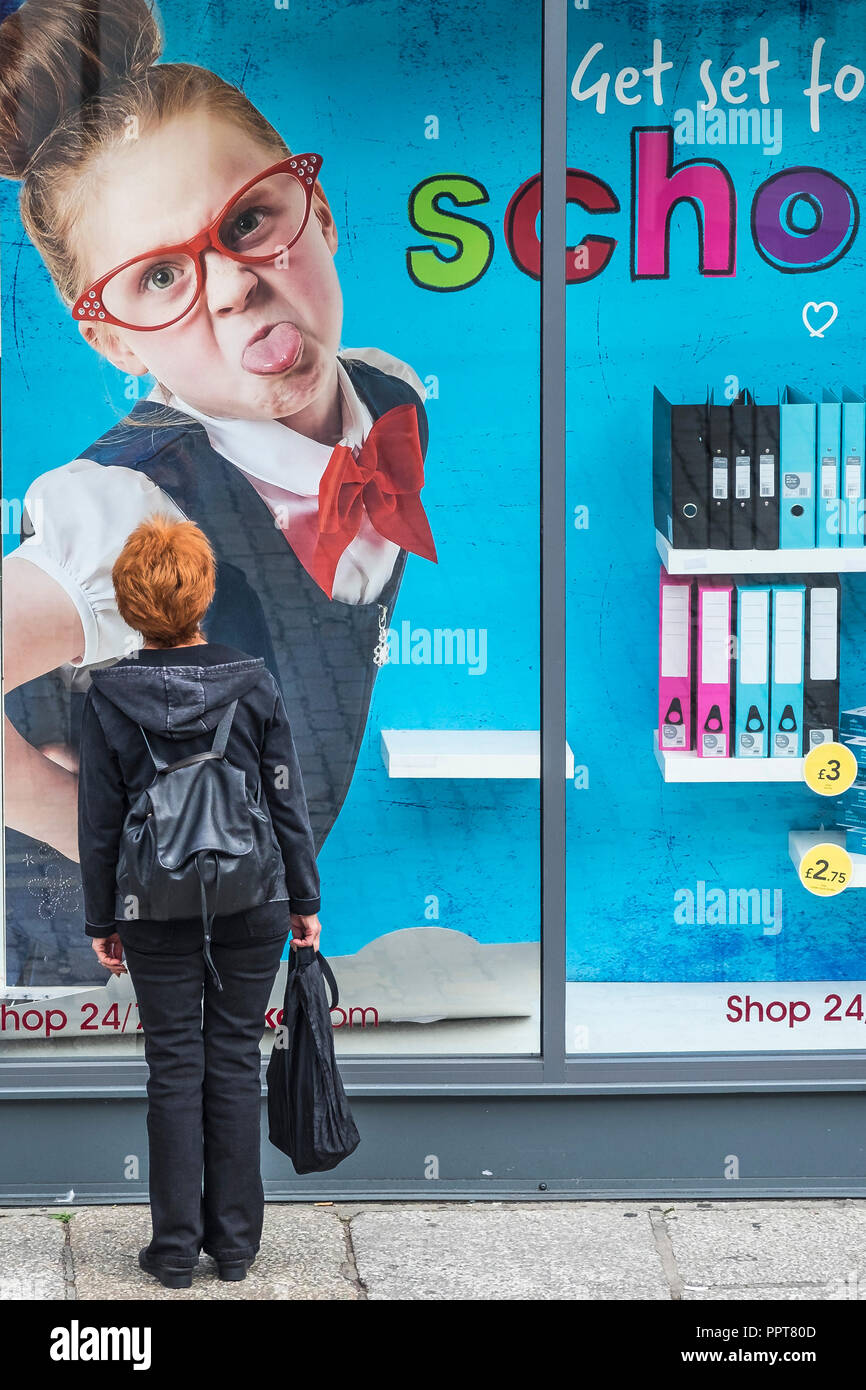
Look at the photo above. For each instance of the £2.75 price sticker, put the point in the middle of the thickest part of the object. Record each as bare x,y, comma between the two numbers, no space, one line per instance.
830,769
826,870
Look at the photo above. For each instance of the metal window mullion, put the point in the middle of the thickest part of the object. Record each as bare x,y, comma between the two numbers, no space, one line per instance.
552,625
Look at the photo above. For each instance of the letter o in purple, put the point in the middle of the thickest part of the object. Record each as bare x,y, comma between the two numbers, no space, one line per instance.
836,222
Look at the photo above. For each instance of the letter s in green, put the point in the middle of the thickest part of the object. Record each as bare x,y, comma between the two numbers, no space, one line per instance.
473,242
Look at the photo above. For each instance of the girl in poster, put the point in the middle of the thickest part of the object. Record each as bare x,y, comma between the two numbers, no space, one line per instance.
191,245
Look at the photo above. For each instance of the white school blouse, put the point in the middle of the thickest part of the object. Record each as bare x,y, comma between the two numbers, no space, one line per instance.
83,511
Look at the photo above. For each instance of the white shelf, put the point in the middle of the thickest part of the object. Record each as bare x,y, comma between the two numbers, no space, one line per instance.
835,559
688,767
466,753
801,841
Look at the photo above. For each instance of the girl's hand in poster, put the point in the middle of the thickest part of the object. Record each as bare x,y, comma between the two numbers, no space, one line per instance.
306,930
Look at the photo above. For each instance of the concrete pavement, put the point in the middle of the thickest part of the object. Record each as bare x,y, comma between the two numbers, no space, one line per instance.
681,1251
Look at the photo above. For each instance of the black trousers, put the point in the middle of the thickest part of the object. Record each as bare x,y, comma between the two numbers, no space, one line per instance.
202,1048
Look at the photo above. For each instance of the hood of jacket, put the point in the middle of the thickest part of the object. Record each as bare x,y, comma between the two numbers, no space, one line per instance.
176,700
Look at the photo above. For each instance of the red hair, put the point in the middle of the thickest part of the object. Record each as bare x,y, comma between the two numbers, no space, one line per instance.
164,579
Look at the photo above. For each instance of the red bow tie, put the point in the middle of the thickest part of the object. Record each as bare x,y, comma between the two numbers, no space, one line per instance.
385,478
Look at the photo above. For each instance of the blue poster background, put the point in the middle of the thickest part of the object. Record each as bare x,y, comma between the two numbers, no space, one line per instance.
634,841
357,83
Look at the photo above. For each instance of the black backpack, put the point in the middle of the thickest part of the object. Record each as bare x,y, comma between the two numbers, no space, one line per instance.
196,840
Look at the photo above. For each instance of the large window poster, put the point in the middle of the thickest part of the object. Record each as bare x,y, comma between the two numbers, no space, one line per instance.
411,679
716,586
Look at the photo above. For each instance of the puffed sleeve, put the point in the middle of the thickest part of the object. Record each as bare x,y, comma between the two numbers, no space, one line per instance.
76,520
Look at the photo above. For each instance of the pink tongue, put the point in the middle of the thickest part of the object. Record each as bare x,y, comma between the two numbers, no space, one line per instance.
273,353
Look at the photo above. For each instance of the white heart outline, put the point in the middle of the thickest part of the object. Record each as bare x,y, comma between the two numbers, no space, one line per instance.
825,304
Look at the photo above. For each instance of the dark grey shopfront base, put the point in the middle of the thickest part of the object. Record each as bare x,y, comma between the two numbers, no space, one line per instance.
486,1147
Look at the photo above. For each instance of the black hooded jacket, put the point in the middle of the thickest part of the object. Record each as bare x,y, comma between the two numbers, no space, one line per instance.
178,695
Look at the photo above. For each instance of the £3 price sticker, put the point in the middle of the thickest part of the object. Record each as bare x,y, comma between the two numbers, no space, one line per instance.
826,870
830,769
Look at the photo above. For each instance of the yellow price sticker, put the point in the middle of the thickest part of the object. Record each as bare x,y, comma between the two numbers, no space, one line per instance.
826,870
830,769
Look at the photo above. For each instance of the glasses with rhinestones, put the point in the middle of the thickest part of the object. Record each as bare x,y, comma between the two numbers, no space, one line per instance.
258,224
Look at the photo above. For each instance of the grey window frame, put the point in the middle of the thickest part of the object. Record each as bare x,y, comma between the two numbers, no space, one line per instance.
553,1072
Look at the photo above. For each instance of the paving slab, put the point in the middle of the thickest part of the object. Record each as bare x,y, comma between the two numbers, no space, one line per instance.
700,1251
33,1256
558,1250
810,1249
764,1293
304,1255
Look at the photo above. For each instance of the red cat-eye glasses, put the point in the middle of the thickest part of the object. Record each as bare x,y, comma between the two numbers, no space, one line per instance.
257,225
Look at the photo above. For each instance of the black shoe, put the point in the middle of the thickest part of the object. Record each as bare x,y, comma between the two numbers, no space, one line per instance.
234,1270
169,1278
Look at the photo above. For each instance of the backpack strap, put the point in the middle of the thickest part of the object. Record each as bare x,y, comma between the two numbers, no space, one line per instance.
159,763
222,733
216,750
206,917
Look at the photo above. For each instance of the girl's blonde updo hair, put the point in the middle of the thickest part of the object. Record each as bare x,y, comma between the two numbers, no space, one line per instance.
164,579
76,78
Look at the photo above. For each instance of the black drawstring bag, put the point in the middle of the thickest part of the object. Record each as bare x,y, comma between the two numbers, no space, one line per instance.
308,1112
